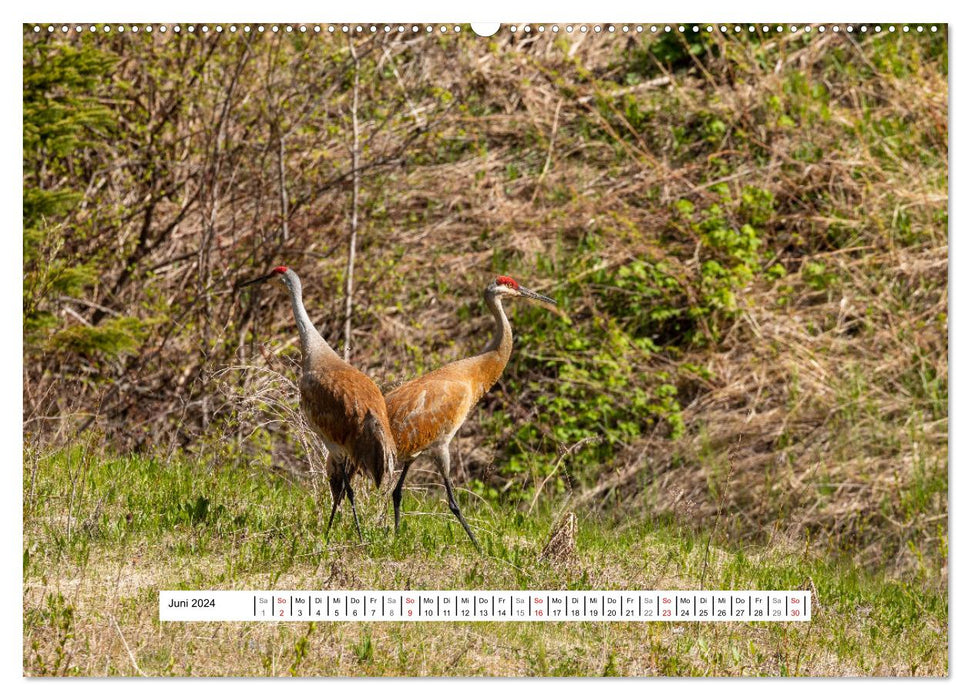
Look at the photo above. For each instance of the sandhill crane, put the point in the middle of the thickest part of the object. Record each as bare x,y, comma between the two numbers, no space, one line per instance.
427,412
342,405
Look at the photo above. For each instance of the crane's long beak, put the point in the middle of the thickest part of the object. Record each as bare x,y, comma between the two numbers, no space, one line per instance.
264,278
530,294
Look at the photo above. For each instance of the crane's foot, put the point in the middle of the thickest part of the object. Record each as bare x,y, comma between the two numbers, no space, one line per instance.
396,496
454,507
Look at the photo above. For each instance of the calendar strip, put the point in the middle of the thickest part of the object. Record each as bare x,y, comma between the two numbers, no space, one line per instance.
485,606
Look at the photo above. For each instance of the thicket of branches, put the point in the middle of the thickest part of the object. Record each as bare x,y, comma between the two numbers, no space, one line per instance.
748,235
161,170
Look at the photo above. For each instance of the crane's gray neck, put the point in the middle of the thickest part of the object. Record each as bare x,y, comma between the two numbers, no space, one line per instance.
502,335
311,341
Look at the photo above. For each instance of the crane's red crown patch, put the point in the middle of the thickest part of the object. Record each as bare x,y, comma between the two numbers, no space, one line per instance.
279,270
508,282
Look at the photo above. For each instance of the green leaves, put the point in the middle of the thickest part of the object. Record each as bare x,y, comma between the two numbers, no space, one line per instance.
62,115
112,337
61,86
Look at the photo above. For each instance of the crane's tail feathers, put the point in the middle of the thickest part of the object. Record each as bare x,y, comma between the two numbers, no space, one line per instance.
376,453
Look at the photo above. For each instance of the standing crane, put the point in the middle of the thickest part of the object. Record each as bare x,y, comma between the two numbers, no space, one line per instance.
341,403
427,412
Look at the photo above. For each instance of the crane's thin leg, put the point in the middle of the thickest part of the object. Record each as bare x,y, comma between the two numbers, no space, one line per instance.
338,494
396,495
444,466
350,497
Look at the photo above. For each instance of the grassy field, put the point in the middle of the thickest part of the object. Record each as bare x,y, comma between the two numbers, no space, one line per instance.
104,534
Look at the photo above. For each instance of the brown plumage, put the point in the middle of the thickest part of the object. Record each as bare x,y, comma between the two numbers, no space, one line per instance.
341,404
429,409
426,412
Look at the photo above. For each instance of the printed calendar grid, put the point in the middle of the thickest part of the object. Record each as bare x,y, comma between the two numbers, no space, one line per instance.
486,606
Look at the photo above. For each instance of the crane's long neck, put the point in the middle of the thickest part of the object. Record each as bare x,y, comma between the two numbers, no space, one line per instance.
311,341
501,342
490,364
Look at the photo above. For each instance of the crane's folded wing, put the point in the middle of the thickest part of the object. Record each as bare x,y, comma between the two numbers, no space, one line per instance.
337,403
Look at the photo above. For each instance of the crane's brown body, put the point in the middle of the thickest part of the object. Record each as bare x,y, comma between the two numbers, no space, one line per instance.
347,410
427,412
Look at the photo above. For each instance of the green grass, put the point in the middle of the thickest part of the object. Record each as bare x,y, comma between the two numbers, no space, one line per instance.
103,534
